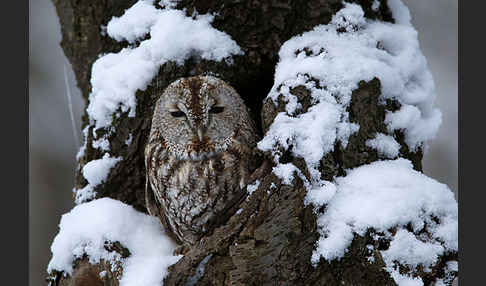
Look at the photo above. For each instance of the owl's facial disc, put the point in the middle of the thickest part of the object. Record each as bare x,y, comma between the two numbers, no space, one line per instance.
199,118
192,127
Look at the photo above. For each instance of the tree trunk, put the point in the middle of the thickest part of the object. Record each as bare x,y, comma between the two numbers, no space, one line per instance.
271,241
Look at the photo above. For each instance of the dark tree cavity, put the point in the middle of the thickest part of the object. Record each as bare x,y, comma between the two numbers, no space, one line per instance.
271,241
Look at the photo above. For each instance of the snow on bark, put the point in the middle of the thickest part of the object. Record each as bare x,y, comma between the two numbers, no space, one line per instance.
95,172
385,195
88,227
330,61
340,55
385,145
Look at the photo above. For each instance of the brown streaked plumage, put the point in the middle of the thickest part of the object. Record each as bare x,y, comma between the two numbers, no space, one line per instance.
198,157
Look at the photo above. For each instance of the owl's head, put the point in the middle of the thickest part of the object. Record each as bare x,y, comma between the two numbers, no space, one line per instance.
199,117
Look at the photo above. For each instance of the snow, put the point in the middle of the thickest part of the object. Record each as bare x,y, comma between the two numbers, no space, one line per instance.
400,12
117,76
406,249
383,195
321,194
285,172
169,3
84,194
134,24
348,18
404,280
371,258
450,273
102,144
252,187
82,149
376,5
385,145
416,128
453,266
311,134
87,227
129,140
338,62
95,172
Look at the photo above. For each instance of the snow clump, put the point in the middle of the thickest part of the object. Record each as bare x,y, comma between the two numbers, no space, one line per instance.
386,145
252,187
383,195
88,227
95,172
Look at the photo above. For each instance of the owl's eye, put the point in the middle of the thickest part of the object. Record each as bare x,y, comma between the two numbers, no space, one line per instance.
177,113
216,109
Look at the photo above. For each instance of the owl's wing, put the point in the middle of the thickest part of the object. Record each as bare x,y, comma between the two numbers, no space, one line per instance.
151,203
155,209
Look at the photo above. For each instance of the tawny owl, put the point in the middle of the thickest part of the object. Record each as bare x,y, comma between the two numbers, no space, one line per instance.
199,156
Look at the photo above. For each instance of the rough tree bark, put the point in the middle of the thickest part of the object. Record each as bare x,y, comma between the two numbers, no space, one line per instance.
271,241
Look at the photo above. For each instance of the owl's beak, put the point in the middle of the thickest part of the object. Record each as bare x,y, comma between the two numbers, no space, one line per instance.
200,134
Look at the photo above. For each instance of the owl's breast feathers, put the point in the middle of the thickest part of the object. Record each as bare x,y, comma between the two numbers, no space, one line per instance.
196,195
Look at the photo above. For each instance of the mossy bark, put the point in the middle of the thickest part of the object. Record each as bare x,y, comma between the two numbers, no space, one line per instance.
271,241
